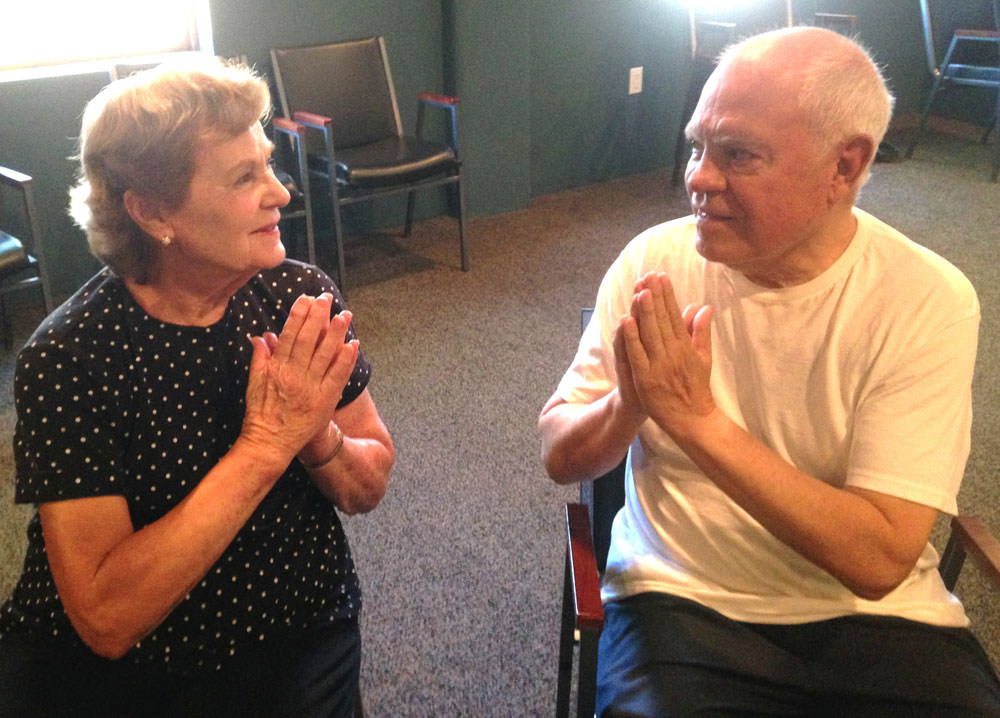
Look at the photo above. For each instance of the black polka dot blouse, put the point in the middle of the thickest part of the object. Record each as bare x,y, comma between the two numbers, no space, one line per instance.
111,401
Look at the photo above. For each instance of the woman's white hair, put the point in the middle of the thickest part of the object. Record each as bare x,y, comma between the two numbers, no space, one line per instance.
836,83
141,134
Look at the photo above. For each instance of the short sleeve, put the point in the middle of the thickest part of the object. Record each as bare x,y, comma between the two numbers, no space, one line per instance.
912,430
67,441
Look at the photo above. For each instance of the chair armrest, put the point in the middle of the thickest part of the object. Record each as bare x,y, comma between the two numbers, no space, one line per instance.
583,569
970,536
311,119
435,99
289,127
445,102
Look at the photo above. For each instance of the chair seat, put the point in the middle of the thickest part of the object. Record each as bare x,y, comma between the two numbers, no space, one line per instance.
972,74
389,161
13,257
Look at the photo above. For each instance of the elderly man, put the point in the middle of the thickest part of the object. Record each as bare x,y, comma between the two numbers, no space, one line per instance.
792,432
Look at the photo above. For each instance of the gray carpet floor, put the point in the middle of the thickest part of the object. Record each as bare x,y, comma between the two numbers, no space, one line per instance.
462,562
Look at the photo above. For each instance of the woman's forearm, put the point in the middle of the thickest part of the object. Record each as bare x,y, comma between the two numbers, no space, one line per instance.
118,585
357,478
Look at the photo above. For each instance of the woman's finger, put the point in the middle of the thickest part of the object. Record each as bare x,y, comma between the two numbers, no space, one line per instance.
330,343
293,324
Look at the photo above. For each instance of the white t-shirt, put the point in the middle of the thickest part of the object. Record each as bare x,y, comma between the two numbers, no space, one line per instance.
859,377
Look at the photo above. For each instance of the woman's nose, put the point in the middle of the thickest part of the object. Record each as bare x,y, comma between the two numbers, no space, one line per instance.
277,194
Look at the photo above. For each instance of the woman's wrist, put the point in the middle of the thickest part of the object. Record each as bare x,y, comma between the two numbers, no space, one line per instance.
334,444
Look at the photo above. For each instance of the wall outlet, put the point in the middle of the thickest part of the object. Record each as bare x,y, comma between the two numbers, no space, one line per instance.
635,81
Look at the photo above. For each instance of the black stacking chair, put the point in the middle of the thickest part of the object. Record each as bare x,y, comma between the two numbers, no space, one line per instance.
708,39
344,91
292,171
972,59
22,260
588,537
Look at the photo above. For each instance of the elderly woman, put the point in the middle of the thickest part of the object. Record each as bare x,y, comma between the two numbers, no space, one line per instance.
189,422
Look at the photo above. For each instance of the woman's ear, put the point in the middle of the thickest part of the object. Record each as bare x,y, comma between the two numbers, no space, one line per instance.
147,215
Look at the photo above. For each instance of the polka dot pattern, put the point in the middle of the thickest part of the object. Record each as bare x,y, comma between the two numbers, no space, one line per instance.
111,401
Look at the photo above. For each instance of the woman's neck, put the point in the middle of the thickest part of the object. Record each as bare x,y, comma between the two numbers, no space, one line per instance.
188,299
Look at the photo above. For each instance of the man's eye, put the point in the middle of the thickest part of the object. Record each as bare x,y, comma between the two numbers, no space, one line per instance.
737,154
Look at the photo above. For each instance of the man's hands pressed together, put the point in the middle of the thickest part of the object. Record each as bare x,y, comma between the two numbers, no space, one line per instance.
664,357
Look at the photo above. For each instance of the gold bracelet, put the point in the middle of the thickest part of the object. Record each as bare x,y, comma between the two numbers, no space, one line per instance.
333,452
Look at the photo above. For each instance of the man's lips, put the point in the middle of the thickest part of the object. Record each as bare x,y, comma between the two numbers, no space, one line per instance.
702,214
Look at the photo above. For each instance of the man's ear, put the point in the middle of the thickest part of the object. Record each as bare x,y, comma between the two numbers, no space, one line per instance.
147,215
852,162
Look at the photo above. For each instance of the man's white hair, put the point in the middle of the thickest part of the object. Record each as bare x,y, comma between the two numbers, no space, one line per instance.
832,78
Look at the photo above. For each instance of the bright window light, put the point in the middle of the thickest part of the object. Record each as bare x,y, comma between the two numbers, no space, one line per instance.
49,32
714,4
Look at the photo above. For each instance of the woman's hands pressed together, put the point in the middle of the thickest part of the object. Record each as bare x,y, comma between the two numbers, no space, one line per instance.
297,379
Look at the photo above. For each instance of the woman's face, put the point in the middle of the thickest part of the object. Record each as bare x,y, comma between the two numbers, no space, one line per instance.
228,222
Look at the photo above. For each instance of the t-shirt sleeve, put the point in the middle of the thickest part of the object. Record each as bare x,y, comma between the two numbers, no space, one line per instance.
69,433
911,434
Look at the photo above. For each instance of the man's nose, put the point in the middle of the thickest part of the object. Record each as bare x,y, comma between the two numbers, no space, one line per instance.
703,175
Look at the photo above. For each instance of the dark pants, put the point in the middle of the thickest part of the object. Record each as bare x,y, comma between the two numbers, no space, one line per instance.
303,674
663,656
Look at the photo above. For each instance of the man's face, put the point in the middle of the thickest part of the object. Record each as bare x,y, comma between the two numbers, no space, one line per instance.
759,179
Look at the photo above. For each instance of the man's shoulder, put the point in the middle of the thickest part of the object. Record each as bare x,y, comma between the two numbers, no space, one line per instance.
673,239
912,271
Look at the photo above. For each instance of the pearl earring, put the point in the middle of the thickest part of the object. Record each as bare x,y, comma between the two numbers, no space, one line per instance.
166,240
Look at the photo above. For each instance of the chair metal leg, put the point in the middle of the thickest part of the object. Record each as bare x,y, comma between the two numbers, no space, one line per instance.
586,687
8,337
338,236
996,142
566,643
338,231
411,201
461,223
952,560
918,133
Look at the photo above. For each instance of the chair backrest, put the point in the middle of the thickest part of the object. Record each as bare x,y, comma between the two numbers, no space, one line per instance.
943,17
347,81
603,496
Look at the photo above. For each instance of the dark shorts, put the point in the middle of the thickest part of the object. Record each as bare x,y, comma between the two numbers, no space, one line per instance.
310,673
663,656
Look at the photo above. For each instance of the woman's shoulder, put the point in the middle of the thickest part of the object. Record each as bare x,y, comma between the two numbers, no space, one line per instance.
292,278
92,310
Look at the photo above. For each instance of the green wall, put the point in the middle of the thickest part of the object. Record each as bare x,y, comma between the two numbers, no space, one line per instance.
543,85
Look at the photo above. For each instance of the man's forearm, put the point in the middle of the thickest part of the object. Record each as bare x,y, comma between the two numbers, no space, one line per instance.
867,541
583,441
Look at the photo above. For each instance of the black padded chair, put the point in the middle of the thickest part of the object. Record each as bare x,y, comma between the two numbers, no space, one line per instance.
22,260
588,537
708,39
972,58
344,91
292,171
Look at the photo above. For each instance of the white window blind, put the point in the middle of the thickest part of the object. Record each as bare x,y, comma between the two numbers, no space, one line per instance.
41,33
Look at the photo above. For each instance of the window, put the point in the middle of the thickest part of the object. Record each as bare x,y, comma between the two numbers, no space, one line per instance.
45,33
